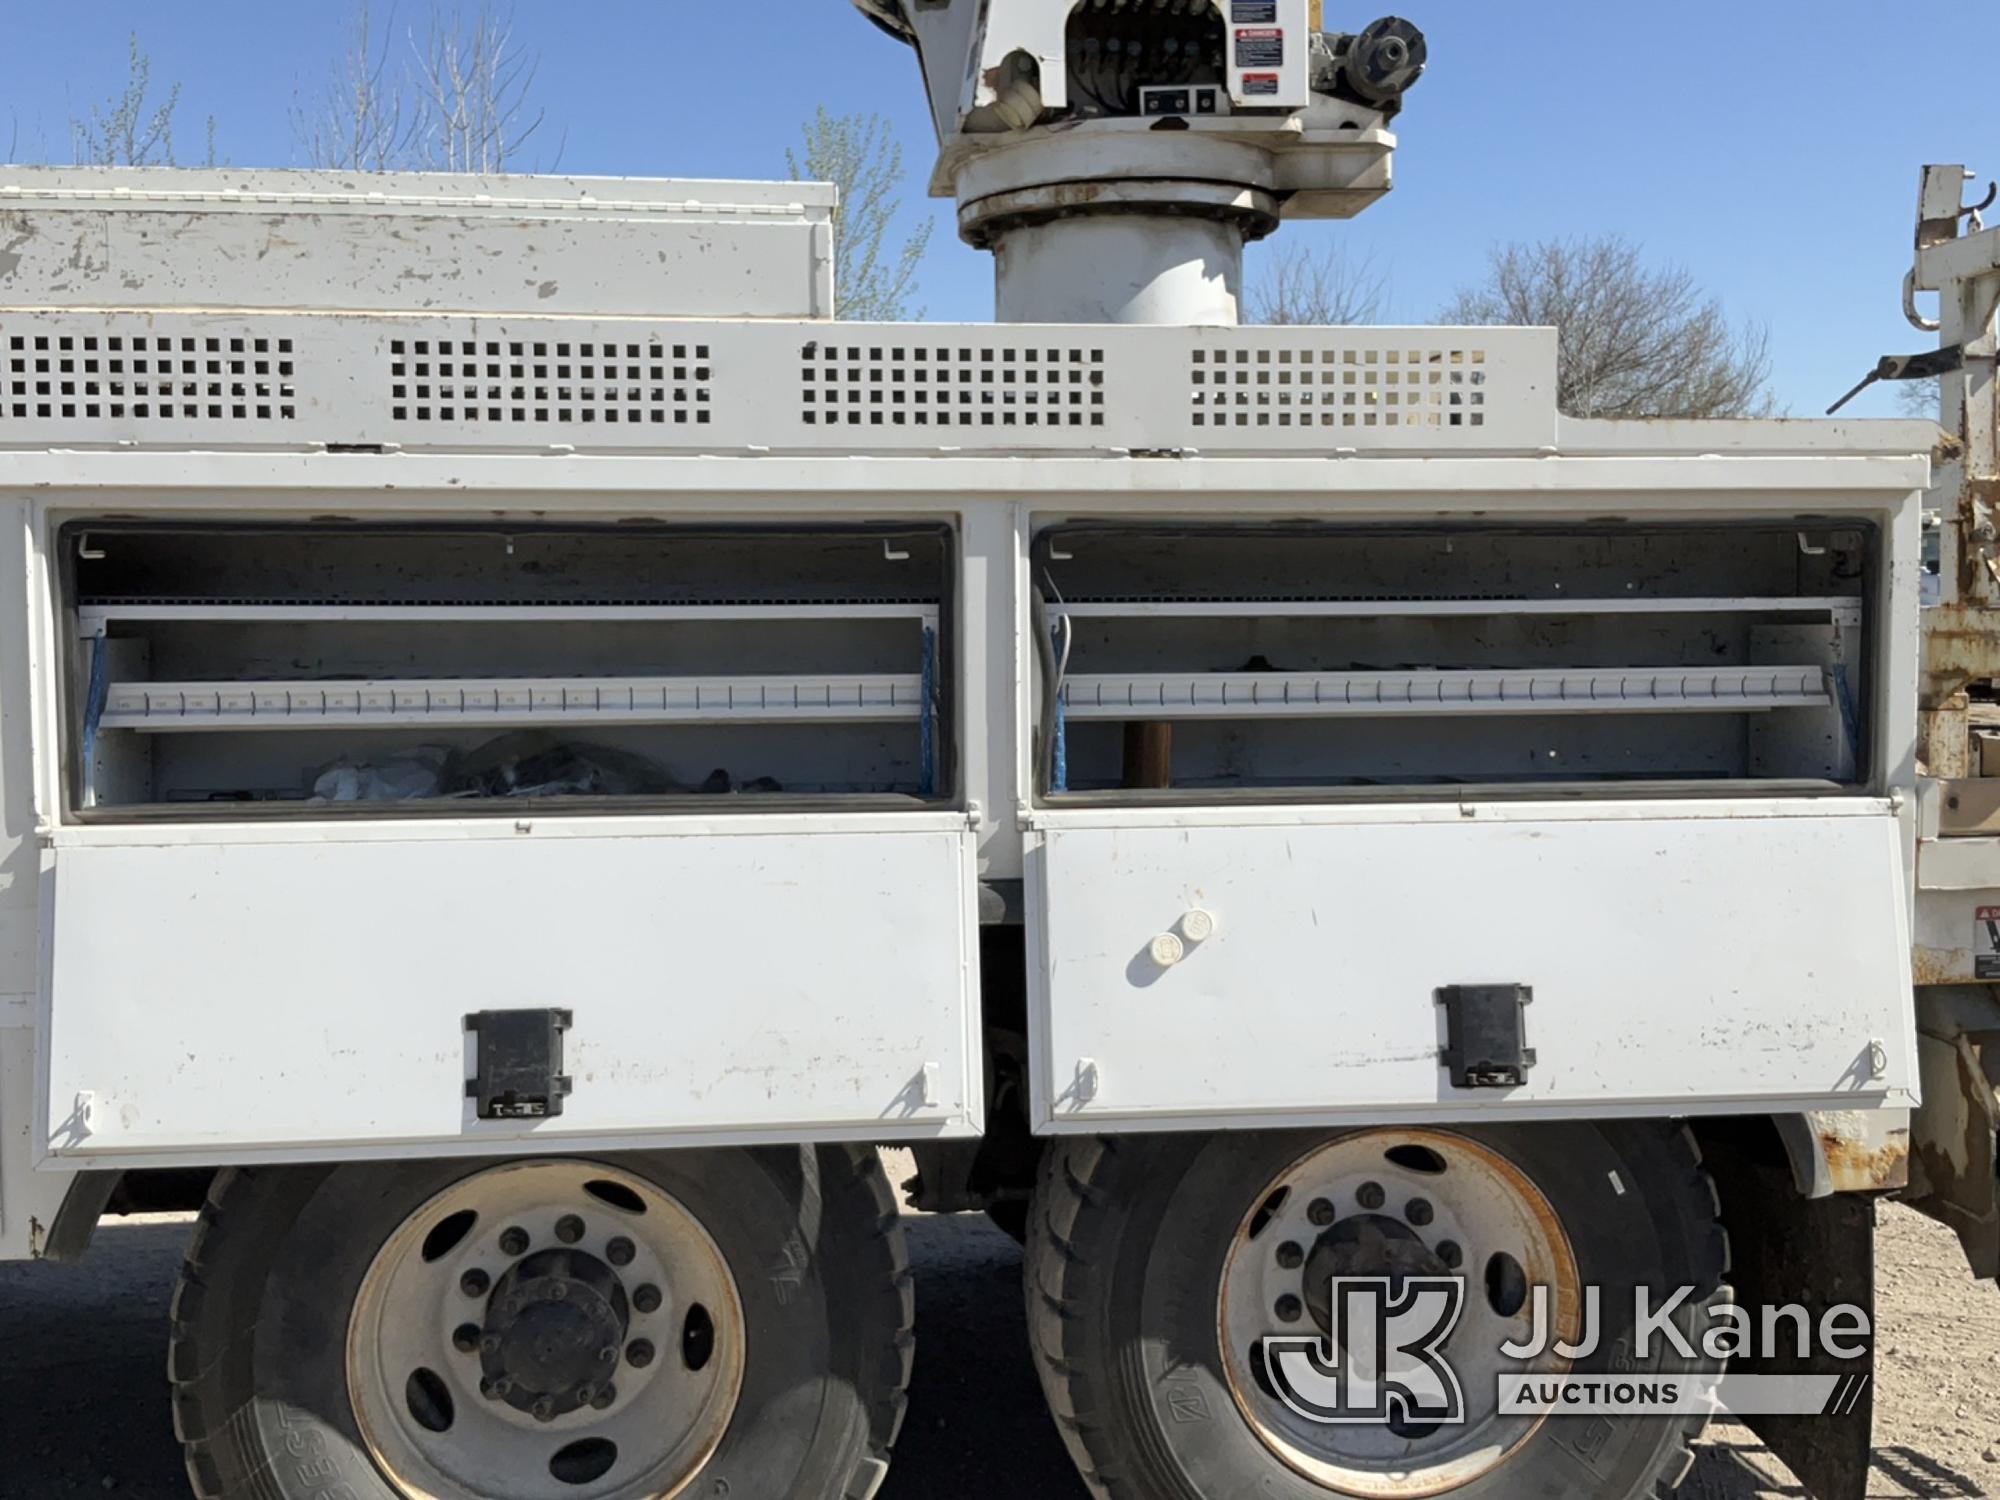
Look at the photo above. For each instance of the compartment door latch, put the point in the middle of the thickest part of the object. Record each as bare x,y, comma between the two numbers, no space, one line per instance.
518,1059
1486,1035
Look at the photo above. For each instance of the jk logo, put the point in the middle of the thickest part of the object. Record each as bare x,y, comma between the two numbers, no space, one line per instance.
1380,1362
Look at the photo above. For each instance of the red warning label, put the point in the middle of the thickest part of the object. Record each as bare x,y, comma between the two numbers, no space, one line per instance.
1260,47
1259,83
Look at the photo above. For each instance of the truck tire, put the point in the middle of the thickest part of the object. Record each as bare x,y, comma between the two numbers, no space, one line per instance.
727,1322
1156,1266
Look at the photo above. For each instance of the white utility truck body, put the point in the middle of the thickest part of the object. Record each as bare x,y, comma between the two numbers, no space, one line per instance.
302,989
429,603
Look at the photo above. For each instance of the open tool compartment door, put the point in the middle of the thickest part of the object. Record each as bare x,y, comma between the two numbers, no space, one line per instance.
472,838
1291,966
1457,819
220,994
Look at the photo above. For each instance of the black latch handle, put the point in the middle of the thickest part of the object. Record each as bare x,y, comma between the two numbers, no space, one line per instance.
518,1061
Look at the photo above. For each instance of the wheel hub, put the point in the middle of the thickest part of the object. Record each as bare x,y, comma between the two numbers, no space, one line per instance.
1365,1245
546,1327
554,1326
1392,1204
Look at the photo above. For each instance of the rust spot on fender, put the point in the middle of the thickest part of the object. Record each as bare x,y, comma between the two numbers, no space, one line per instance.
1941,965
1854,1168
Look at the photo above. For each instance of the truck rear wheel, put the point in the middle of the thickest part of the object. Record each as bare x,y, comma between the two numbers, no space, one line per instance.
605,1329
1159,1265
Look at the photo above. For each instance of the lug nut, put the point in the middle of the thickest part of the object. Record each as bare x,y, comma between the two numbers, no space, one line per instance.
606,1394
620,1252
514,1241
585,1394
495,1389
1290,1256
647,1299
1449,1253
490,1344
1289,1309
608,1355
1320,1212
465,1338
474,1283
1370,1195
569,1229
1418,1211
639,1354
544,1410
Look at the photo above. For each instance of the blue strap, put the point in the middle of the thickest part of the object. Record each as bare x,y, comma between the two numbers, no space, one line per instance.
93,711
1059,761
926,728
1850,717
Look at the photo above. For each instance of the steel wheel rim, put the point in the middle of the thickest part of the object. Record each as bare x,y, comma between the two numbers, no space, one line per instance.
601,1244
1480,1203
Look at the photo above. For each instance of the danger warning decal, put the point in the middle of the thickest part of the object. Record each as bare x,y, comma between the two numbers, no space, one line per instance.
1986,943
1260,47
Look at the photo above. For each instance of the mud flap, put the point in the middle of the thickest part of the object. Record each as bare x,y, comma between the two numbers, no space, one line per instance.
1953,1134
1818,1253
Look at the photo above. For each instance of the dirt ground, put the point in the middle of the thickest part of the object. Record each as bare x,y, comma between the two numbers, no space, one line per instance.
83,1407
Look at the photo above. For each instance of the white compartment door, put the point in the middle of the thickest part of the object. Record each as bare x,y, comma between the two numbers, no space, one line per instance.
228,995
1690,959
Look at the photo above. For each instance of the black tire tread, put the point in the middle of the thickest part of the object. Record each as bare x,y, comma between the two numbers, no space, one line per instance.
894,1290
223,1463
1079,1189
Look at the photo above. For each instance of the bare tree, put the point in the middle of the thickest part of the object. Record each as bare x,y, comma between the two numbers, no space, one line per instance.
474,88
1918,398
357,122
128,130
1321,286
858,153
1632,341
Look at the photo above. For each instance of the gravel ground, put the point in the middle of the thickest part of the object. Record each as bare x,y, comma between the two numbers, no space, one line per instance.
83,1408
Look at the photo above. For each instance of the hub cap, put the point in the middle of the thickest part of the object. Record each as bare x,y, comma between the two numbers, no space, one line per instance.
546,1328
1395,1204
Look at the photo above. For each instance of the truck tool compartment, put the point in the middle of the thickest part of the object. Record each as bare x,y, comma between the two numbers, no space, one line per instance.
1302,787
1351,660
334,789
257,670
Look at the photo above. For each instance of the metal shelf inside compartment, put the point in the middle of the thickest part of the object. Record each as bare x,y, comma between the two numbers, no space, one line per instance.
1250,695
159,707
94,616
1445,607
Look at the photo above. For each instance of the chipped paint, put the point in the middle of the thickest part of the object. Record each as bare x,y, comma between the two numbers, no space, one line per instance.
145,238
1941,965
1858,1164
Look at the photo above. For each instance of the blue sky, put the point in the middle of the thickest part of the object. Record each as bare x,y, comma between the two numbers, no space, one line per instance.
1771,146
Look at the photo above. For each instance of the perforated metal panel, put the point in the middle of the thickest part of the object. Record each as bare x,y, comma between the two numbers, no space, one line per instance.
932,382
1329,382
541,381
135,368
77,378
